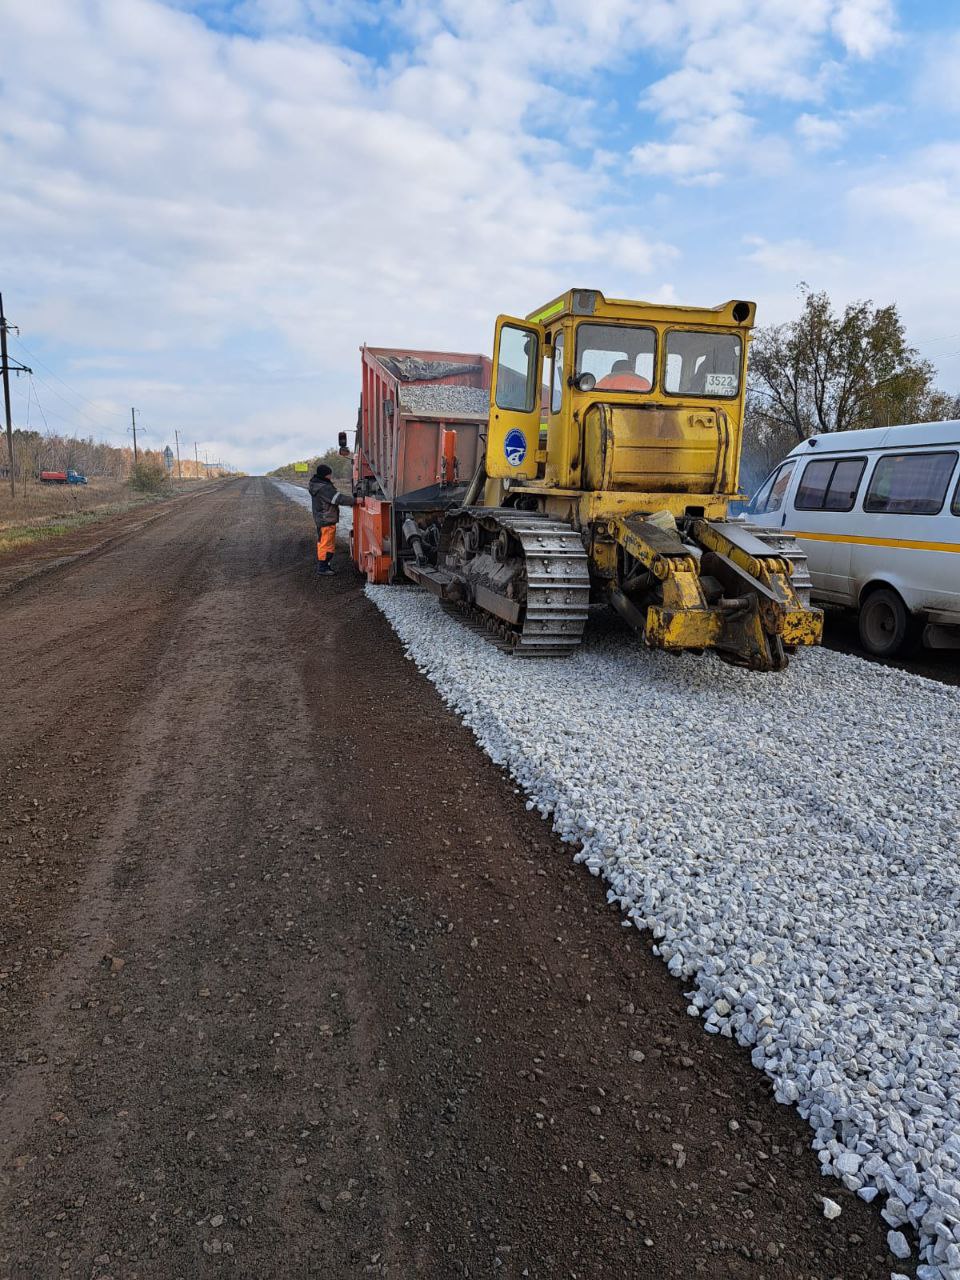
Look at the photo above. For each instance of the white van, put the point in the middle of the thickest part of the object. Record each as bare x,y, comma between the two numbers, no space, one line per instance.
878,513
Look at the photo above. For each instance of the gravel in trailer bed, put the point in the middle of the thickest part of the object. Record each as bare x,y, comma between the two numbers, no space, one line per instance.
790,841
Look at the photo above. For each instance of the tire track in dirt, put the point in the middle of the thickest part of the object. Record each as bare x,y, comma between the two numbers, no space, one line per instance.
170,894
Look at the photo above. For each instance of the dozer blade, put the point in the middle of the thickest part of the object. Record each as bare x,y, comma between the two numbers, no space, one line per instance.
756,622
740,558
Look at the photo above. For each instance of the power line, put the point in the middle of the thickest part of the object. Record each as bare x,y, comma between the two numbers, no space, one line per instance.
93,422
69,425
96,422
40,407
36,359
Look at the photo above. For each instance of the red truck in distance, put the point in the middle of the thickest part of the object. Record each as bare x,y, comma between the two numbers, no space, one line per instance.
62,477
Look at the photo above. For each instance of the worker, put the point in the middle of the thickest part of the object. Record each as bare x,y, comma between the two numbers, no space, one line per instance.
623,377
327,501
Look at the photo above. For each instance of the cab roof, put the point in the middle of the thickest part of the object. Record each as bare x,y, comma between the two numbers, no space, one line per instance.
591,302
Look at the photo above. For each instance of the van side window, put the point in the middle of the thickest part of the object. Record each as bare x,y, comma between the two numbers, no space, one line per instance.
910,483
813,485
773,491
844,483
955,505
830,485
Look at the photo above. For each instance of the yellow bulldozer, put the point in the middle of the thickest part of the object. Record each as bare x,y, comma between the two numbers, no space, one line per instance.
612,457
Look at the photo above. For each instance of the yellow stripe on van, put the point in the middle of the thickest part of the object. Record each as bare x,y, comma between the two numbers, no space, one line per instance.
907,543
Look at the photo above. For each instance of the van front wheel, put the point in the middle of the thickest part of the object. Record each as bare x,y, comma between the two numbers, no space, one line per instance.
885,624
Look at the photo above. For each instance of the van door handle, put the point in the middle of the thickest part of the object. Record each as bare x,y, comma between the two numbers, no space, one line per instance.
783,520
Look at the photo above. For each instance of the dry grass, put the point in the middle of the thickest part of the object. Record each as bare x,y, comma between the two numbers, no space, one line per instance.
49,501
47,511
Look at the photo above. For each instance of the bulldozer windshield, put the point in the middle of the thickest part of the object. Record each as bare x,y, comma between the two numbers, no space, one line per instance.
703,363
621,357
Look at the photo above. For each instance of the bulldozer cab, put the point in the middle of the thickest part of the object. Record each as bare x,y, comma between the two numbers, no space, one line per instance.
638,399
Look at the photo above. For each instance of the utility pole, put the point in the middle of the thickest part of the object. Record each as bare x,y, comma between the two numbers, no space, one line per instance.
176,436
133,419
5,368
196,458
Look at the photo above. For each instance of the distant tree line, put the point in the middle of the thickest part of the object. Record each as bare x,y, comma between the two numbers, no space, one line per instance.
341,467
827,371
34,452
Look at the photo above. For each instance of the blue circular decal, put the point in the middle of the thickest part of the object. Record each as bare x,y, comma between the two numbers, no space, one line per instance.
515,447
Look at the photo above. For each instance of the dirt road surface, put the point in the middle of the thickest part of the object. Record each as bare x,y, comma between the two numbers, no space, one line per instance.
293,985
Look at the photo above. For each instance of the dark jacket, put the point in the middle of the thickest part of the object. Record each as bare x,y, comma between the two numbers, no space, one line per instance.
327,501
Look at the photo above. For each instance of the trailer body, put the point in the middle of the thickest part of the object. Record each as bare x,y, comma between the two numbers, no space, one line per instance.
421,434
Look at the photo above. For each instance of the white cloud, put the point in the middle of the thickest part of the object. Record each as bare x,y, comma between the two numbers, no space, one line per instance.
938,83
219,203
864,26
922,200
819,133
699,151
703,152
736,56
210,222
797,258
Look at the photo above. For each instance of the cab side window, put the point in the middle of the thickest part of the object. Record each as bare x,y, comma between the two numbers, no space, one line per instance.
556,382
517,359
773,492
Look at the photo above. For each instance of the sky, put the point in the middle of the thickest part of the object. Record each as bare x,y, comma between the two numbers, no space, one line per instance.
207,206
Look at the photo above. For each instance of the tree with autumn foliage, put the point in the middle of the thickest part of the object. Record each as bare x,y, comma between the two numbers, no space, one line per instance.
830,371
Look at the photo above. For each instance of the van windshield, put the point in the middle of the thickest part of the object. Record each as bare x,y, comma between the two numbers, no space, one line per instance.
773,490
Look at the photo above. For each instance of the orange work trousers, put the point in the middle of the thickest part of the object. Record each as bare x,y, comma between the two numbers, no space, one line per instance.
326,541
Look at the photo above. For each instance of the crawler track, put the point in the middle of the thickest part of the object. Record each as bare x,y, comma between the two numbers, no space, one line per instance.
785,544
557,586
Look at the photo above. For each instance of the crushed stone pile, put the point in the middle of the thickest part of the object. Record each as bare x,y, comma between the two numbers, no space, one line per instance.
437,398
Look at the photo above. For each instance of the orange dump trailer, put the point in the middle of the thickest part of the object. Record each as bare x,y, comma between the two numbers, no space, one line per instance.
421,433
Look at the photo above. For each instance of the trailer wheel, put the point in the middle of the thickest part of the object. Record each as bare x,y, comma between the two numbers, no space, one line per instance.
885,623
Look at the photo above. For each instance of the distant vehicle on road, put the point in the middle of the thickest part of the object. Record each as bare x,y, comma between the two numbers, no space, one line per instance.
878,513
63,477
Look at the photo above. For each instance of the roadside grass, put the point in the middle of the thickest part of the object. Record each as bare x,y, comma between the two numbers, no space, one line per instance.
39,529
38,513
35,501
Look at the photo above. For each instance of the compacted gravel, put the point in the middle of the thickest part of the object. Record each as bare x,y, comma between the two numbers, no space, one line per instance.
791,842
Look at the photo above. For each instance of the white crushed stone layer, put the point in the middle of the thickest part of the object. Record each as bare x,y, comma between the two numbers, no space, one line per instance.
439,398
791,842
